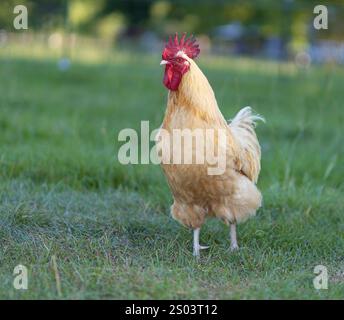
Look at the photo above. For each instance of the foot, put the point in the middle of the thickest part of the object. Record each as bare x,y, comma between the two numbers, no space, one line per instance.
196,246
196,250
234,247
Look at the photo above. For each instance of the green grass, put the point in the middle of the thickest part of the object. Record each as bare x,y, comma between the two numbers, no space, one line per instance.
64,195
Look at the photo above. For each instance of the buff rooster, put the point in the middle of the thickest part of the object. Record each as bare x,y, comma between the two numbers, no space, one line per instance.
232,195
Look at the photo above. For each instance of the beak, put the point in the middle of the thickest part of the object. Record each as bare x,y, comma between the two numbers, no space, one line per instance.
163,62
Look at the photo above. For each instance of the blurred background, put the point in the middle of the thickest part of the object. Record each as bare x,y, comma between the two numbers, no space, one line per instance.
265,28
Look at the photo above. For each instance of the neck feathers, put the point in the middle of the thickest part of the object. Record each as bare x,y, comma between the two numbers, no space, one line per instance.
196,95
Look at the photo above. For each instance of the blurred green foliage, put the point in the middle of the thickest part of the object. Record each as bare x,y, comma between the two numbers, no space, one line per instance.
108,17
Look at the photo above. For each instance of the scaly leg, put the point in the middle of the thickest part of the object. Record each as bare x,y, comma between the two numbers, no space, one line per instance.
234,242
196,246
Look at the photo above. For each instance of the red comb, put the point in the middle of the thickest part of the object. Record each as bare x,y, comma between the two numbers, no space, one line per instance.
188,46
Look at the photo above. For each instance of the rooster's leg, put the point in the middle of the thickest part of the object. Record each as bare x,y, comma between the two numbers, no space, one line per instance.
196,246
234,242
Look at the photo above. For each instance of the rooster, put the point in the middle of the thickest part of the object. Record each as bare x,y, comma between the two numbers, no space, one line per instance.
231,196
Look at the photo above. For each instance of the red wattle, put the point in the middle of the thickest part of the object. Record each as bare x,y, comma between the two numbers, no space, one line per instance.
172,78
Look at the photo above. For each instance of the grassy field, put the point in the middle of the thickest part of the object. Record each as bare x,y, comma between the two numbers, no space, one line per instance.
87,227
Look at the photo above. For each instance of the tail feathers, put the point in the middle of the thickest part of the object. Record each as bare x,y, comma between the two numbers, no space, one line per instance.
245,118
242,127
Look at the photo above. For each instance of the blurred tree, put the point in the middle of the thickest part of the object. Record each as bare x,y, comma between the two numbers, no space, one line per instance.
136,12
111,26
289,19
81,12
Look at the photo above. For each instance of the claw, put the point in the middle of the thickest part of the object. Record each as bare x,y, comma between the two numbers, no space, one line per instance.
197,249
234,247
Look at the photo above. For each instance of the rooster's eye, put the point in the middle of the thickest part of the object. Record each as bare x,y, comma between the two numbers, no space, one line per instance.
180,60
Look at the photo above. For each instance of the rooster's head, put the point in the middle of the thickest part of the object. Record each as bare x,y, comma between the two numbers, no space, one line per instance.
175,57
